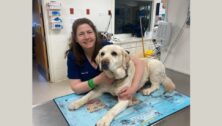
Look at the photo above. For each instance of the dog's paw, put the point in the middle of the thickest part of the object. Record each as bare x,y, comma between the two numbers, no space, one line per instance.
104,122
74,105
146,91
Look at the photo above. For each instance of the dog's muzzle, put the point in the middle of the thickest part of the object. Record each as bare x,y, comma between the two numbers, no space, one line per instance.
105,64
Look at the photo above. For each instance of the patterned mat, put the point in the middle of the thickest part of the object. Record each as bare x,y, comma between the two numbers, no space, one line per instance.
147,110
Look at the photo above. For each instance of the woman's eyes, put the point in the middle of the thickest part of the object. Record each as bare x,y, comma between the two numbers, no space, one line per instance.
89,32
83,33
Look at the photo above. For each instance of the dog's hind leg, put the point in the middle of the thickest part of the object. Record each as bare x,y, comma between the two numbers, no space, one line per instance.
155,80
148,91
119,107
83,100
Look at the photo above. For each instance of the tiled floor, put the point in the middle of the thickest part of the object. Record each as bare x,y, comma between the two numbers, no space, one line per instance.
43,91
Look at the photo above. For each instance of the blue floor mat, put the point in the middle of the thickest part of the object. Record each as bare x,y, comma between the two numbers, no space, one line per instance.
150,109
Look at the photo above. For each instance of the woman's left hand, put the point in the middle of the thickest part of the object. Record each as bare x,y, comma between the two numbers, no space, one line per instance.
126,93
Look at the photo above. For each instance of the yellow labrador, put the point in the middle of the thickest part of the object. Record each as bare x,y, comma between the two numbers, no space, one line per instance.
116,63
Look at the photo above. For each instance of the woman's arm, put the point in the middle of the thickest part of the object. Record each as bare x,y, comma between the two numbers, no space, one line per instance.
127,93
80,87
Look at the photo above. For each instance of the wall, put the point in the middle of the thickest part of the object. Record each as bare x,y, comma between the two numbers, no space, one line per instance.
57,42
179,55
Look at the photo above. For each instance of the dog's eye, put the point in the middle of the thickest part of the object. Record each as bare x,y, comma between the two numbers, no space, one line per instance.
102,54
114,53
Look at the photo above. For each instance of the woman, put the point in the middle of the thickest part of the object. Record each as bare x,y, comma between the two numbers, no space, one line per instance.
83,71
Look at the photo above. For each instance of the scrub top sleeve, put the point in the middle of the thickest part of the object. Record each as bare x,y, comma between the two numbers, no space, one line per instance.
73,69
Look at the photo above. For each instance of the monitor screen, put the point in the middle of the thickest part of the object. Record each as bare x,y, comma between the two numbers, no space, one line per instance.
129,14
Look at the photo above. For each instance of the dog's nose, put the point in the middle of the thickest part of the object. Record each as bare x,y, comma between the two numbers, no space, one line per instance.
105,64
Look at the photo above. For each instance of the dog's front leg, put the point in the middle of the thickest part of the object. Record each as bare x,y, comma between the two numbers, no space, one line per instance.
80,102
119,107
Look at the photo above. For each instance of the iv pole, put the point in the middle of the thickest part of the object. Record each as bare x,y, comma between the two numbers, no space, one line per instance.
141,30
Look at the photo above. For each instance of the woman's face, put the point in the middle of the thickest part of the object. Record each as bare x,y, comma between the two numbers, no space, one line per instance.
85,36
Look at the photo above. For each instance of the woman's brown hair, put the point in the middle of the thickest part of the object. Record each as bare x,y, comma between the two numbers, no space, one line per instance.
75,48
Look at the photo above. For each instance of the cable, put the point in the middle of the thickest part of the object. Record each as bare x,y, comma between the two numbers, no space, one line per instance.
107,28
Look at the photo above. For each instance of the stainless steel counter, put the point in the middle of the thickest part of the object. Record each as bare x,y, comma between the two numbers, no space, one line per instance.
47,114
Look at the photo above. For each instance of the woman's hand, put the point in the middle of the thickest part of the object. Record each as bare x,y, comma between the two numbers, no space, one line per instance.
127,93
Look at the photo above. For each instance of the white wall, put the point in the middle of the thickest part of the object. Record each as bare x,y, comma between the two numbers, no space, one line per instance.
179,56
57,42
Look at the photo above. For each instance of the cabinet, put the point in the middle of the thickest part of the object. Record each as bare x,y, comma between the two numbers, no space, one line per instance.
134,45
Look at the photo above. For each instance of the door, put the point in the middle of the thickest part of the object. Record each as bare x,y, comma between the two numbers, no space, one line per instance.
40,41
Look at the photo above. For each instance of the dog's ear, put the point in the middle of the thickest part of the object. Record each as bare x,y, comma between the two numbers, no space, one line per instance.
126,59
98,62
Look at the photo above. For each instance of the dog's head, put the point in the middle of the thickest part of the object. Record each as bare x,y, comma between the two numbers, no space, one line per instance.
113,60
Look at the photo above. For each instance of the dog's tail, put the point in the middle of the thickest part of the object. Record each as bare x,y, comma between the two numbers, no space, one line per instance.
168,84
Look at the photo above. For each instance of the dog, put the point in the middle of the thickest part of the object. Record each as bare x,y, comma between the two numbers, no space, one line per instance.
117,64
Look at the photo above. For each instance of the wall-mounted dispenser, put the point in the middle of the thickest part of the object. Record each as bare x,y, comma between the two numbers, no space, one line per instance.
54,5
54,14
